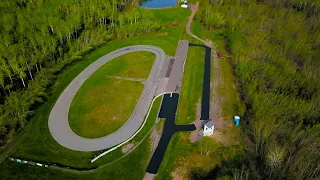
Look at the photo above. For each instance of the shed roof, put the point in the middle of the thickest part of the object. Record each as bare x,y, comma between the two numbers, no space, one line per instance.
209,124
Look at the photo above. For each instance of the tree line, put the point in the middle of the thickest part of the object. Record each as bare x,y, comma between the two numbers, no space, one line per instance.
275,53
39,37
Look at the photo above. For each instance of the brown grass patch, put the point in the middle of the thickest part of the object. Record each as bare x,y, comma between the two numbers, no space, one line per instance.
176,174
162,34
175,23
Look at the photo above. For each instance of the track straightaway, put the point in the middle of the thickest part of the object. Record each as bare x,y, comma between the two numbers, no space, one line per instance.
58,118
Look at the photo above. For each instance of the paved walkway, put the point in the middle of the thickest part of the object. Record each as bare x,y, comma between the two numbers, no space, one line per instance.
58,118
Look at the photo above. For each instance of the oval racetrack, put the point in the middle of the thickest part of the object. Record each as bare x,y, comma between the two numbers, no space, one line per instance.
58,118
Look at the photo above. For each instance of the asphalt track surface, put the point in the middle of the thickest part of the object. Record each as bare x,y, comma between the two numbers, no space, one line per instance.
205,101
168,110
58,118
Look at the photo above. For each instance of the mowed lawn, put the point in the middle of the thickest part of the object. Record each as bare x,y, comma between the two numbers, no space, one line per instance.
103,104
133,65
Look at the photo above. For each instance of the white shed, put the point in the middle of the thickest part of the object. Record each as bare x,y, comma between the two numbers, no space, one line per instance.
184,6
208,128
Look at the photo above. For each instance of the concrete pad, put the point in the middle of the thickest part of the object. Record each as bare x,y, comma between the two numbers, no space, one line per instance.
175,81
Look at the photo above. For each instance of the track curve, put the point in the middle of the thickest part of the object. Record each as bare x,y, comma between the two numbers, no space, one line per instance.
58,118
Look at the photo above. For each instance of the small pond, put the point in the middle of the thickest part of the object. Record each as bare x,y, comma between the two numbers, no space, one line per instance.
158,3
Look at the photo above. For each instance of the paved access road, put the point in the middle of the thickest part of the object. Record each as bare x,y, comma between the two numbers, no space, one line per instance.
168,110
58,118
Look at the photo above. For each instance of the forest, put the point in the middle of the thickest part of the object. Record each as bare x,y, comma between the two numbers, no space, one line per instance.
274,48
40,37
275,54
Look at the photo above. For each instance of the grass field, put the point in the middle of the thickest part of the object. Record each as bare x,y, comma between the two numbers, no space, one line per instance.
103,104
191,85
133,65
150,123
111,168
35,142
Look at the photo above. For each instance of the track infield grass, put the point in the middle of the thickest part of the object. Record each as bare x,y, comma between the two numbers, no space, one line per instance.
103,104
133,65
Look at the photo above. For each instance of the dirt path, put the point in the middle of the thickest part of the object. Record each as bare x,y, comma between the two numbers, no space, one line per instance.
128,79
215,103
194,9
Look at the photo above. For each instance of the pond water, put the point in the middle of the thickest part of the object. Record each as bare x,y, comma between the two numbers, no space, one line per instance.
158,3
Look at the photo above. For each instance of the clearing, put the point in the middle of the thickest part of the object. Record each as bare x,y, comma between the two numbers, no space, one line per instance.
103,105
133,65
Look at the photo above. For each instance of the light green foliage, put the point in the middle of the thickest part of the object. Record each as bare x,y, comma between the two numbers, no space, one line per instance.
275,155
135,21
275,55
212,19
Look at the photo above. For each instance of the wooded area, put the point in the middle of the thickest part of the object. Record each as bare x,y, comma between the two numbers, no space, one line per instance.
39,37
275,53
